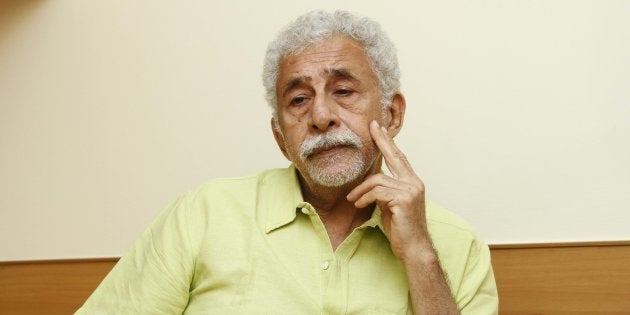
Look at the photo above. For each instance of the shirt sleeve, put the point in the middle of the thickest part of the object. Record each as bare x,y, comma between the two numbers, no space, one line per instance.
154,276
478,291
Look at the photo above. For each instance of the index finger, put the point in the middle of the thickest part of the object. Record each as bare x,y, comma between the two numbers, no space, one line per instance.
394,158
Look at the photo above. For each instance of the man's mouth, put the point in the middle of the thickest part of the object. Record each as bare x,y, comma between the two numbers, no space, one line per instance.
326,149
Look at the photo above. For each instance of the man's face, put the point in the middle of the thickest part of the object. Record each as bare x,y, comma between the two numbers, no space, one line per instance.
327,96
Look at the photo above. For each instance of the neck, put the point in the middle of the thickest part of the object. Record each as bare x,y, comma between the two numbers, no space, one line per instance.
326,199
339,215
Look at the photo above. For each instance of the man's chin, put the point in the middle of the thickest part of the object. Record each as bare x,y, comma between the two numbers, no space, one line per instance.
336,175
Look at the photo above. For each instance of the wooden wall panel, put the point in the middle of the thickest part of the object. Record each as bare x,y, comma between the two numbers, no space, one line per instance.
554,279
49,287
563,279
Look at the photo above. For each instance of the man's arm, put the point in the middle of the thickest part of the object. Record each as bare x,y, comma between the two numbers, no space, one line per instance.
153,277
401,200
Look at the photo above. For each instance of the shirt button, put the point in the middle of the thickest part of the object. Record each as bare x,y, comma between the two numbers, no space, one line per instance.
325,265
305,211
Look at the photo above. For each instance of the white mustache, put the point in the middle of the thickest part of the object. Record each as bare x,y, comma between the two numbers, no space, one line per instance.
331,139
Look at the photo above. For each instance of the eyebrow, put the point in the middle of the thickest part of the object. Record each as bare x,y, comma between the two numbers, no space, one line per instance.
295,82
340,73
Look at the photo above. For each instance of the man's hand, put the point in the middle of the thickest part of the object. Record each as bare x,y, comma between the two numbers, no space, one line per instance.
400,198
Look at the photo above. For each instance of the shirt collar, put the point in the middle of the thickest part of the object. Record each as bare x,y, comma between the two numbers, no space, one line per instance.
279,197
374,220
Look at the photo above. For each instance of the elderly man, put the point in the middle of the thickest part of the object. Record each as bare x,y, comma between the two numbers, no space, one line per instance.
331,234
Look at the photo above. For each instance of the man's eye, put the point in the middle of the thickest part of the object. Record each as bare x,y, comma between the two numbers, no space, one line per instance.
344,92
298,100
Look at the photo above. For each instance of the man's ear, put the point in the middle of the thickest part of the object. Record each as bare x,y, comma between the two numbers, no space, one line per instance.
277,134
396,113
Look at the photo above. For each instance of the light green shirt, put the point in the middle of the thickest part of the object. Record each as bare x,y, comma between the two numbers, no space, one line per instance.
253,246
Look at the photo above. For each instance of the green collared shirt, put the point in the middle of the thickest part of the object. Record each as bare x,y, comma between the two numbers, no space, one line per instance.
253,246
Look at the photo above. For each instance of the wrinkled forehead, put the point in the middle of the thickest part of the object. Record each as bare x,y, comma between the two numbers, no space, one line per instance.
336,57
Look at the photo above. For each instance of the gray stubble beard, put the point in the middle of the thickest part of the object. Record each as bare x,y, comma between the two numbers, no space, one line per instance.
334,178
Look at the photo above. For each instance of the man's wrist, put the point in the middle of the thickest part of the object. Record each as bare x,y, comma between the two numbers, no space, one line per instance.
421,255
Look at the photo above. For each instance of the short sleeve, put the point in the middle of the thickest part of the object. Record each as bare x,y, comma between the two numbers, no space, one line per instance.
154,276
478,291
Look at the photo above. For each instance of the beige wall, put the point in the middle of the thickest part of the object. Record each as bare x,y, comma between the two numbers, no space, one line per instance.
518,113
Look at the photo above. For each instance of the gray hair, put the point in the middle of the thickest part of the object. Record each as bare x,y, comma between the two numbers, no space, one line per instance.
315,26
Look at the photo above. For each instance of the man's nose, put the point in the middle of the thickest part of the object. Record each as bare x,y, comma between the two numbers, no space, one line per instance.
324,114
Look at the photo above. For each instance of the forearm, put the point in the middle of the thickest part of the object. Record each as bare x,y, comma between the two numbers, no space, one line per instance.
428,288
